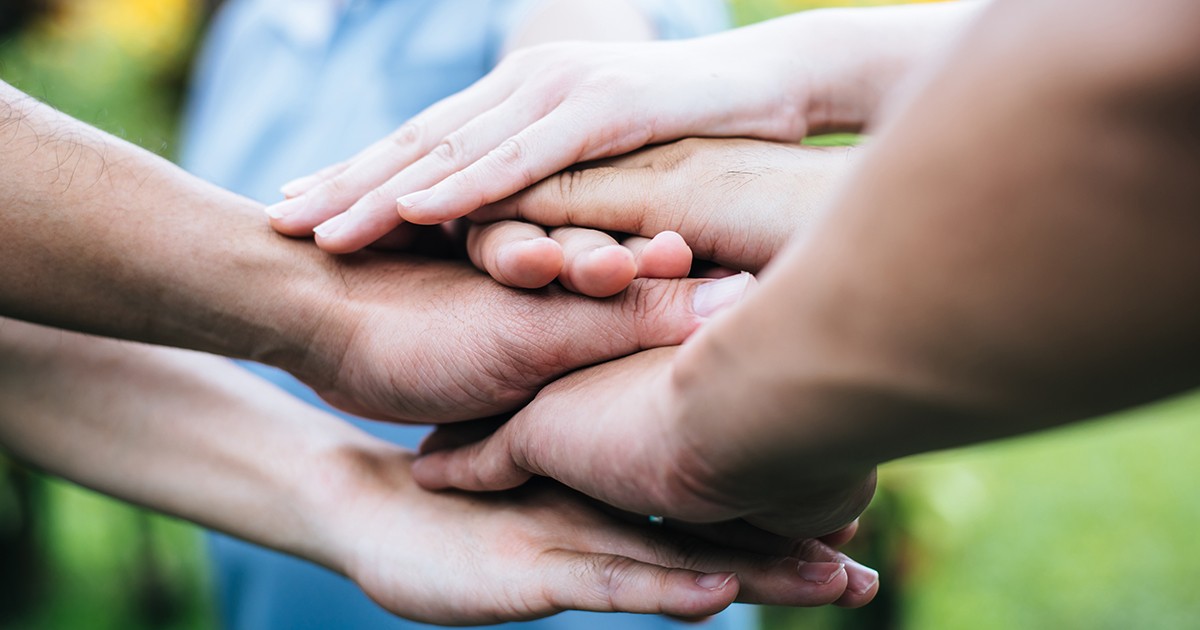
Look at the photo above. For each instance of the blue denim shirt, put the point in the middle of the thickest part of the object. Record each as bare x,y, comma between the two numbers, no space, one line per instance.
284,87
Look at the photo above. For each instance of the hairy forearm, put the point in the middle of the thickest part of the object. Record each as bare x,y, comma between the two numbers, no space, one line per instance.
179,432
109,239
968,284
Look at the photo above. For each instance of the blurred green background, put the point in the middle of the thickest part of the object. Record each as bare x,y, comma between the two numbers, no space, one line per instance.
1090,527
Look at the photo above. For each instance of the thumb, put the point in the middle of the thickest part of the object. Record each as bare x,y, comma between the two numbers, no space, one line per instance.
610,583
612,198
487,465
659,313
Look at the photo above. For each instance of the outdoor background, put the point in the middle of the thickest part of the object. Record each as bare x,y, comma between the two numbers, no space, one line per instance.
1089,527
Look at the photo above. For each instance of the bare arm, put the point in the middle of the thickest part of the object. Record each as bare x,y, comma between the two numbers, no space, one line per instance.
973,282
969,282
196,437
106,238
110,239
548,107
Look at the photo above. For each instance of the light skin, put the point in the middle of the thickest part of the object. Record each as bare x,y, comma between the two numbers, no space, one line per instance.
108,239
196,437
733,200
548,107
590,262
965,284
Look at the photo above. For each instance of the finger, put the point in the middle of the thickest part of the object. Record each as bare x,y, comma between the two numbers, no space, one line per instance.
333,195
536,337
515,253
484,466
842,536
593,263
862,582
453,152
543,148
771,579
457,434
629,200
736,534
666,255
609,583
301,185
400,238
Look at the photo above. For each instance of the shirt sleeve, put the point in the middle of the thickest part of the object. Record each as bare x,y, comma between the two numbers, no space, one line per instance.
672,19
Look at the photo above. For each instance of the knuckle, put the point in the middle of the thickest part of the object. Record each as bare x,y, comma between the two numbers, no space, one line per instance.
410,133
512,156
647,299
335,190
511,151
451,150
376,199
610,575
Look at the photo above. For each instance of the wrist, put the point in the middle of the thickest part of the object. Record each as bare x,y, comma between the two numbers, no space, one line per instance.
346,479
743,426
853,59
296,314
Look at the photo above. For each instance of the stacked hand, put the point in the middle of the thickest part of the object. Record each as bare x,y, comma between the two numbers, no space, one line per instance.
541,549
541,110
641,447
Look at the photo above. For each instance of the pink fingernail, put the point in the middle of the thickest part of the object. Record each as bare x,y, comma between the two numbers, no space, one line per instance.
331,227
862,579
820,572
415,199
714,581
718,295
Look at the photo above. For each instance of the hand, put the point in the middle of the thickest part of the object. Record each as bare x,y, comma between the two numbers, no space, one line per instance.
640,446
418,340
541,110
450,558
590,262
735,202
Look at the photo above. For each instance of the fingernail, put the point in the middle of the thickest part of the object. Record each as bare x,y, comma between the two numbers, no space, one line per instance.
331,227
293,188
820,572
714,581
415,199
718,295
862,579
283,208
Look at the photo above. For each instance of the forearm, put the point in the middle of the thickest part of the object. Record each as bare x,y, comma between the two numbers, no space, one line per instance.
106,238
967,286
838,65
182,433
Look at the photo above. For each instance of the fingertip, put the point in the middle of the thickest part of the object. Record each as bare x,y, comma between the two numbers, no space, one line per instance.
862,584
667,255
428,470
294,188
529,264
604,272
711,593
289,217
430,207
715,581
841,536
